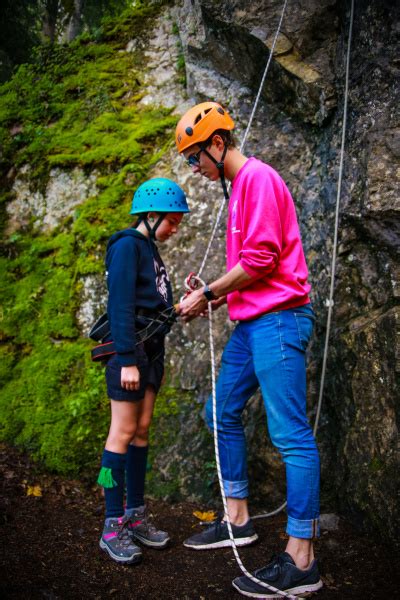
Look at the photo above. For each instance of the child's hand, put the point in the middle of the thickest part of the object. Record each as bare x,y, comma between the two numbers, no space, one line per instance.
130,378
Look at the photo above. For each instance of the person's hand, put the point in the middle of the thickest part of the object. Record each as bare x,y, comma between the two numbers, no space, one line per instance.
130,378
215,304
193,305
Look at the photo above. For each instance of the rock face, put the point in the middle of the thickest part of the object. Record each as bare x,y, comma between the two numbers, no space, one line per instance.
297,129
64,191
199,50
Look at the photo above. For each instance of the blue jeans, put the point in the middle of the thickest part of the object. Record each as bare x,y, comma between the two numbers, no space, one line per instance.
269,352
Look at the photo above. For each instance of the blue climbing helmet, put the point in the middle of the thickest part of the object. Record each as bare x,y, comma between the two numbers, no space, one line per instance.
159,195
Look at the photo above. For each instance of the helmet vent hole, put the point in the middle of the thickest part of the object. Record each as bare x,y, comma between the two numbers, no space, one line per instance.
221,111
207,110
197,119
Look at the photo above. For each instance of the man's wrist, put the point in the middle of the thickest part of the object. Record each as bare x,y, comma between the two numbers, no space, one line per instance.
209,294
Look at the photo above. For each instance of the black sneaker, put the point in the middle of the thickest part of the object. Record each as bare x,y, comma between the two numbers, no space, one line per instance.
217,536
282,574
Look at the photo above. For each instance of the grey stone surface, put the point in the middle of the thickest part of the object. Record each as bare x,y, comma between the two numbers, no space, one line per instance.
64,191
93,301
297,129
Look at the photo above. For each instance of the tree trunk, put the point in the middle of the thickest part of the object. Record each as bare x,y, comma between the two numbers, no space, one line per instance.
75,23
51,10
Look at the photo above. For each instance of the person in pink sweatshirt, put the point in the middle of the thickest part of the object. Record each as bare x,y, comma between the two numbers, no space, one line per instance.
267,293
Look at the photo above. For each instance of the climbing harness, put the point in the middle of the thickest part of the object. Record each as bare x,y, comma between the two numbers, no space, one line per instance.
149,325
195,280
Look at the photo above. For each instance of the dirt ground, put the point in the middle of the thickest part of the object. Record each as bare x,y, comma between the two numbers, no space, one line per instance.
50,549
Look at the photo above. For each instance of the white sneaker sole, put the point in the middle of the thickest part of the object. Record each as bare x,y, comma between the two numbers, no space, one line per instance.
130,560
150,544
223,543
302,589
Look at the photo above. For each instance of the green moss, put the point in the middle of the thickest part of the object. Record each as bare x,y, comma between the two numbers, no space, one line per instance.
180,63
375,465
170,439
76,106
54,406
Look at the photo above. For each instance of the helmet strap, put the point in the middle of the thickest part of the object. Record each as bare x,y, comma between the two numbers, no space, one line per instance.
220,166
152,230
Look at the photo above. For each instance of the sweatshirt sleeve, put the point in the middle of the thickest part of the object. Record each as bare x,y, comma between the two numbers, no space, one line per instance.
122,266
261,224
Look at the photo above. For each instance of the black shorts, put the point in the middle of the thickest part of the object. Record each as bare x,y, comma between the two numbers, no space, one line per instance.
150,362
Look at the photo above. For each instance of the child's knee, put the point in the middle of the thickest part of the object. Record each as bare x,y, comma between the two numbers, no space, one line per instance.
122,433
142,433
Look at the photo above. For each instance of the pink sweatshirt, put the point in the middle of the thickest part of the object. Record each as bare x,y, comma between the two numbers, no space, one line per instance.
264,237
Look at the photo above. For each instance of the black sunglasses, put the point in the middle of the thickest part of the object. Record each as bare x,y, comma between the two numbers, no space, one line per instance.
194,159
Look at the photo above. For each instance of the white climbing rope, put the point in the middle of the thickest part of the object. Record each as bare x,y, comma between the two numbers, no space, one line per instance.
268,587
330,306
335,237
330,301
192,283
246,133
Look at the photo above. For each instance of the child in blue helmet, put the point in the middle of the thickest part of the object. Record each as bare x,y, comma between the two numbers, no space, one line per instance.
139,304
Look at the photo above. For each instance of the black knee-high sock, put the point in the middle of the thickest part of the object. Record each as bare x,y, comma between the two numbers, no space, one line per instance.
136,463
112,478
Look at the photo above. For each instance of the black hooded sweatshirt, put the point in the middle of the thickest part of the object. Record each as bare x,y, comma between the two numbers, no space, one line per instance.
136,279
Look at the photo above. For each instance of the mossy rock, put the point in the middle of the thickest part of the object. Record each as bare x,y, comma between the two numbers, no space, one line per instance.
75,106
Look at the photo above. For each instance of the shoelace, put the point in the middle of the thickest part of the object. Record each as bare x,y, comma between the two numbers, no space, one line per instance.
272,570
123,533
217,525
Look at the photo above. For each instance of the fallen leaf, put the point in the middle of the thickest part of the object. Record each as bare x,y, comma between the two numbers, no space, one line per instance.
205,516
34,490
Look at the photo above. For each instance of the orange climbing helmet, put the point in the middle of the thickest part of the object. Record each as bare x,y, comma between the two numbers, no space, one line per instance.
200,122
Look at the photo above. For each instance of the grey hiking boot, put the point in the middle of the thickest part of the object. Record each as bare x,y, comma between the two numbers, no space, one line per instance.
142,530
217,536
117,542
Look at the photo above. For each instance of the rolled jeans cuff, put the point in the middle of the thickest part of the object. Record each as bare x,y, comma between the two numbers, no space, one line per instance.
236,489
303,529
